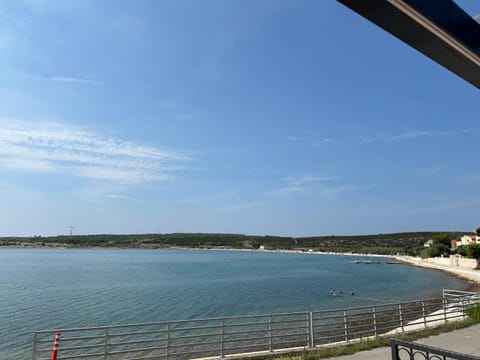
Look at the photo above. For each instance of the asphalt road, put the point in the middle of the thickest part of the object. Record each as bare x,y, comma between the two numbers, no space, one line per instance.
465,341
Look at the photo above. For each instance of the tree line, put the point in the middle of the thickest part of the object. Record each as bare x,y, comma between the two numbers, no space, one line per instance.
409,243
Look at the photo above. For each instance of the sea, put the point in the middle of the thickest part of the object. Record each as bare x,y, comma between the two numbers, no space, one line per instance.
64,288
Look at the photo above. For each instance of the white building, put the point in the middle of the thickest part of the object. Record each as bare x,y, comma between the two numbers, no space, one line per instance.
428,243
469,240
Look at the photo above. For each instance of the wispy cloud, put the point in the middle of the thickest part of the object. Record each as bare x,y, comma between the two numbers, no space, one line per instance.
296,184
116,196
324,186
71,79
322,142
328,191
309,178
429,171
414,134
51,147
294,138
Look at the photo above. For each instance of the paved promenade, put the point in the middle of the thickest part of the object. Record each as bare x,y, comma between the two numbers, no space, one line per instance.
464,340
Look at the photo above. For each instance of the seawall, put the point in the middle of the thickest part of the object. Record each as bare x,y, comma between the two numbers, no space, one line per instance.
462,267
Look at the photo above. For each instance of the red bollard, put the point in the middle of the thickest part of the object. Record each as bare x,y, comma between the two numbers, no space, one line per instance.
55,346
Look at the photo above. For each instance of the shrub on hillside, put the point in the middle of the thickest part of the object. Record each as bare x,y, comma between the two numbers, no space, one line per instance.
473,251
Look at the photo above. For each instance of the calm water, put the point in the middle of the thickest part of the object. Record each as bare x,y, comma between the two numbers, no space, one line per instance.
49,288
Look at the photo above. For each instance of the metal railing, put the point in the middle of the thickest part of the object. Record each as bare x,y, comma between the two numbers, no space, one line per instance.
220,337
452,294
414,351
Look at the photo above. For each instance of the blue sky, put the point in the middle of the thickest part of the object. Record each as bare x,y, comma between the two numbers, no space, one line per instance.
273,117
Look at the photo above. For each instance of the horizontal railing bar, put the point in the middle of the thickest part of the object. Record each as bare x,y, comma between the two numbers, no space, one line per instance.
44,350
288,335
445,291
291,327
376,306
249,349
135,350
194,344
333,333
365,322
80,329
78,356
133,342
370,323
396,321
356,317
352,334
193,336
247,339
49,341
79,347
245,324
291,342
195,328
138,333
194,352
330,317
148,357
339,328
340,336
166,322
255,338
290,321
246,332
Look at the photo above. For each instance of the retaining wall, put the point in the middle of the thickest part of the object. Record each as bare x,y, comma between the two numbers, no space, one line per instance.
452,261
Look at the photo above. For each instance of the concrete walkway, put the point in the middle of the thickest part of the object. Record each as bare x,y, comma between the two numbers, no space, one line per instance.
465,341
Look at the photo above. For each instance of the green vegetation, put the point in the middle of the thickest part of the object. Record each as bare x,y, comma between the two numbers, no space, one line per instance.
469,251
473,312
440,246
388,244
473,251
368,344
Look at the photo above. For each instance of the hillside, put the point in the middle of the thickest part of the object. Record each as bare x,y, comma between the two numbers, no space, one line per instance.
410,243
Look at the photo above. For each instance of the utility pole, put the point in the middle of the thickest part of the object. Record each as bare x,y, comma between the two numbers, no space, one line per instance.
71,230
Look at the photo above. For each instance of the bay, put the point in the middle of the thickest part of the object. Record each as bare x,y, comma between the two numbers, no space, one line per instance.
64,288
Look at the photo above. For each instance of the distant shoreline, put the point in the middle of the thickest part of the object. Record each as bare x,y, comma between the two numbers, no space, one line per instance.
68,246
472,276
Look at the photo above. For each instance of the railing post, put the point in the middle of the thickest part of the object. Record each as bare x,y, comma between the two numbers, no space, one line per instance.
168,340
424,315
34,354
400,315
444,303
105,345
270,345
222,333
394,348
56,344
345,325
310,330
463,307
374,321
